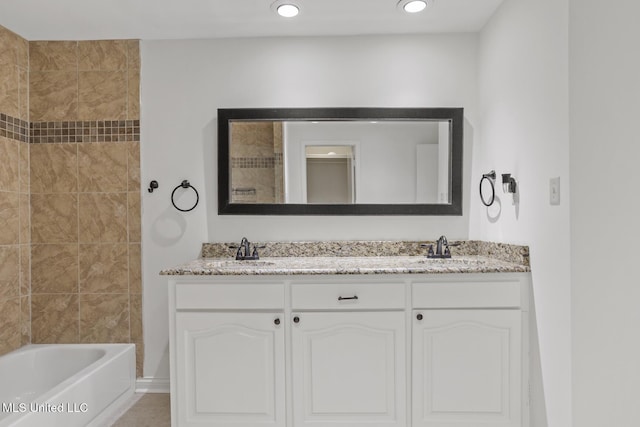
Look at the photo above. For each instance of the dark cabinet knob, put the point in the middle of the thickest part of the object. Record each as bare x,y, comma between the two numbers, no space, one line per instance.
276,321
296,319
419,316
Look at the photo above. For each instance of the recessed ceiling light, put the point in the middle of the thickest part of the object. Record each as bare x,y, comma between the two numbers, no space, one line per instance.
287,10
414,6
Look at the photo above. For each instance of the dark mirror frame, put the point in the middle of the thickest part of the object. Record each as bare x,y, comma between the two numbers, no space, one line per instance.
228,115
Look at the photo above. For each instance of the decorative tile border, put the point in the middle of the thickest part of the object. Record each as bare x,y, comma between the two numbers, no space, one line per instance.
243,191
254,162
14,128
85,131
69,131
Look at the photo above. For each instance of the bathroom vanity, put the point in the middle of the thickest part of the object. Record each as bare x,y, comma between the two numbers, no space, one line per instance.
348,341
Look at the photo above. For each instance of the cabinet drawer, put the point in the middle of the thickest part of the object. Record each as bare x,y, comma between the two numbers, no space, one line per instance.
229,296
347,296
466,295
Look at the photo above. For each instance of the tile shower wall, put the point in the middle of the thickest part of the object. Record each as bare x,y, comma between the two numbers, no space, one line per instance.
85,192
15,289
256,157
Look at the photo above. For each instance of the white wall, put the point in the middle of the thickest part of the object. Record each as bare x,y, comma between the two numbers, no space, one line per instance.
385,156
523,111
184,82
605,212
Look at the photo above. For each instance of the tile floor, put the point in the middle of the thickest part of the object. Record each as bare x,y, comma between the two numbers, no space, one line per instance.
144,410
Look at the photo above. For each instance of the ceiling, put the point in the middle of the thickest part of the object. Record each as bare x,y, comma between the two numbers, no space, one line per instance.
189,19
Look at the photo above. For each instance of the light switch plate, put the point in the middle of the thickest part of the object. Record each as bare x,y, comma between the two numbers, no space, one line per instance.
554,191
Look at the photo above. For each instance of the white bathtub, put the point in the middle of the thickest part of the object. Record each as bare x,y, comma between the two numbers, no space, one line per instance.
65,385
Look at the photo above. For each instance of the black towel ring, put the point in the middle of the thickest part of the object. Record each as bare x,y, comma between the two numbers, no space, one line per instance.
185,184
491,177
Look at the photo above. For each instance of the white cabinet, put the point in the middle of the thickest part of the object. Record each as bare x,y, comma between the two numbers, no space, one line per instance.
227,354
230,369
346,351
467,355
466,368
349,369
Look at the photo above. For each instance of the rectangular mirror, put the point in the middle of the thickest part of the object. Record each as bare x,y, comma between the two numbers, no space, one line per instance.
340,161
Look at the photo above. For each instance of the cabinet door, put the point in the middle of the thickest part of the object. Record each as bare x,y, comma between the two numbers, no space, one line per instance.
349,369
467,368
230,369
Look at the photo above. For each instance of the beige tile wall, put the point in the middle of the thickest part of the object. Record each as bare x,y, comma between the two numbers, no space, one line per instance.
278,139
85,197
15,288
84,80
82,235
255,151
69,212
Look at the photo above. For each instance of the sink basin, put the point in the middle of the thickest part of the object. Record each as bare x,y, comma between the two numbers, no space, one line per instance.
237,263
451,261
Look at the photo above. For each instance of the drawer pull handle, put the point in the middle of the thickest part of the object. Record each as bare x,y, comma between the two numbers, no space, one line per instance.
296,319
419,317
276,321
347,298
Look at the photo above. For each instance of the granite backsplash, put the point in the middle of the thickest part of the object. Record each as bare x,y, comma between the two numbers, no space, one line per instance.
347,248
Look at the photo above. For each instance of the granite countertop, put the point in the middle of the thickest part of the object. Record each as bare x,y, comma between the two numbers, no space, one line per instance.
318,265
357,257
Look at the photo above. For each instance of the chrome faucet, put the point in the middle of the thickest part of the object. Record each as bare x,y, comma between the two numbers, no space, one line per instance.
244,250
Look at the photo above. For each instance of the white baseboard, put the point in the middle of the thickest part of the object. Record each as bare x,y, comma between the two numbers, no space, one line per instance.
153,385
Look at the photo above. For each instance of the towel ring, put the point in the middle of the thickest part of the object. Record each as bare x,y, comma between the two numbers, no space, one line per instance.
491,177
185,184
